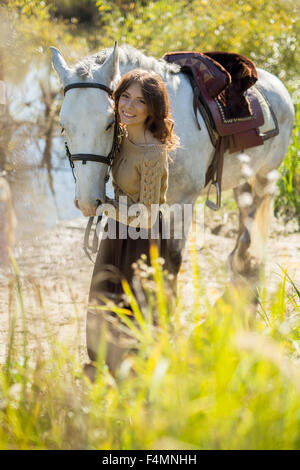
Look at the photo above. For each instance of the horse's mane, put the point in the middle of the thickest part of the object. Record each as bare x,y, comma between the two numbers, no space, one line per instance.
128,55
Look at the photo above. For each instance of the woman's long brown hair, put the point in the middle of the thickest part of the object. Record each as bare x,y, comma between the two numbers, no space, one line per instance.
159,121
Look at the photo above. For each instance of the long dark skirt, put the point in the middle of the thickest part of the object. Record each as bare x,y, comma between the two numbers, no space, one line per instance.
114,261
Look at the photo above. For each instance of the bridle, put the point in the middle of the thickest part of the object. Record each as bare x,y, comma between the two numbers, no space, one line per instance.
85,157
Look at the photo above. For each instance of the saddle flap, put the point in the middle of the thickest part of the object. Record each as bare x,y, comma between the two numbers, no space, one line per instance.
245,140
228,126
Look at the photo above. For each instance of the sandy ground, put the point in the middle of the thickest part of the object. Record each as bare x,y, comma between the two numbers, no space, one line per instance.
55,276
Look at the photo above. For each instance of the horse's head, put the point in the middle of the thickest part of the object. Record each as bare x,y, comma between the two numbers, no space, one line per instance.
87,116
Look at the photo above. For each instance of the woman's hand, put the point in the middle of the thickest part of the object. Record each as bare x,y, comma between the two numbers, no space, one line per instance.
108,200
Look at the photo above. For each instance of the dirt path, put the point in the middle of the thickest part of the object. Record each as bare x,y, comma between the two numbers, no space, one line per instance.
54,268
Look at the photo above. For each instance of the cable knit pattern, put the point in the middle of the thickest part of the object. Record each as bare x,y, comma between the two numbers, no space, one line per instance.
140,173
151,172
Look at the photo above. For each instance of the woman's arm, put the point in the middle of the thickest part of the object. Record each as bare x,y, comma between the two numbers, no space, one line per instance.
153,170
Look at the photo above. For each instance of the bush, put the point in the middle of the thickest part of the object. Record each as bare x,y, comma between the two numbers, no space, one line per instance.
287,202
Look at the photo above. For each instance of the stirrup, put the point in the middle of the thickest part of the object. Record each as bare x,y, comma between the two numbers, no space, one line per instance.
211,204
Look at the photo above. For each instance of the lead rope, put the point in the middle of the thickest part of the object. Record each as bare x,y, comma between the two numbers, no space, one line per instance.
95,244
86,247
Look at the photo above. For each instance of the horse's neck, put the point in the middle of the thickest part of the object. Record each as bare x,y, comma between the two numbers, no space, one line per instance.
172,81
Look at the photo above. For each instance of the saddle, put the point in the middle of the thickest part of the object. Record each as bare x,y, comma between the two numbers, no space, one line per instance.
222,84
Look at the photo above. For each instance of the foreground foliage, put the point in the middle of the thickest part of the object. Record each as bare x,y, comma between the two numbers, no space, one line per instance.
287,201
265,30
216,377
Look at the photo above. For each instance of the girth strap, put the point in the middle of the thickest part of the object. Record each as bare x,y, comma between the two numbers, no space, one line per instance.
214,173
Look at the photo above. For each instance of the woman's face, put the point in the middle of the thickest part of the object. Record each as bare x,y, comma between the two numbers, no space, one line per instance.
132,108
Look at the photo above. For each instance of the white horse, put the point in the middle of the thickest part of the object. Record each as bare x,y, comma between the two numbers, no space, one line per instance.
87,113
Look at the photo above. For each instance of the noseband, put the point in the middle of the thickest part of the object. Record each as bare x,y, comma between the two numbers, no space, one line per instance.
85,157
89,157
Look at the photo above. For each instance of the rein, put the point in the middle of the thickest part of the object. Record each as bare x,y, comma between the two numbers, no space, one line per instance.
89,157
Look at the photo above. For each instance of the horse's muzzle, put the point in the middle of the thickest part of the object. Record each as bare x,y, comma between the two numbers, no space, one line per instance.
87,210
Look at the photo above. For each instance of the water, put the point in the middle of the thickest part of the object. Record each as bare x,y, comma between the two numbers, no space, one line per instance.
37,207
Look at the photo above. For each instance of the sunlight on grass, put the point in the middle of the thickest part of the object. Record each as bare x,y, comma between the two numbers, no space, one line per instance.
203,380
287,201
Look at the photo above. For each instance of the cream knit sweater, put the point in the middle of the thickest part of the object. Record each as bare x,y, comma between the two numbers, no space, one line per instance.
139,172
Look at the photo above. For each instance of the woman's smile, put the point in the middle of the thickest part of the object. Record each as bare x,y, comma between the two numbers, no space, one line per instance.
128,115
133,110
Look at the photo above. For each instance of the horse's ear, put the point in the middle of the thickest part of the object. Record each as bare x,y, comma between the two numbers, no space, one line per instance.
111,67
60,65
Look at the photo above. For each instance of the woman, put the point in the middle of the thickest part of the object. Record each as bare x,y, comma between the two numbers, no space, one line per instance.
139,175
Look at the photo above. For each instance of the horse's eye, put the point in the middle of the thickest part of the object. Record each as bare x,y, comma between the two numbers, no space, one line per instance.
110,125
62,130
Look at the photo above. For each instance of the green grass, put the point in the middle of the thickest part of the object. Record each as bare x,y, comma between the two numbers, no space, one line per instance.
287,202
219,377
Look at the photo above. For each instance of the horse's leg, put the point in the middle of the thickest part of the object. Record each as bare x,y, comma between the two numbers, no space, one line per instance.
177,241
238,259
254,201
